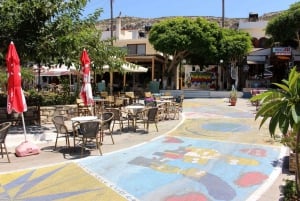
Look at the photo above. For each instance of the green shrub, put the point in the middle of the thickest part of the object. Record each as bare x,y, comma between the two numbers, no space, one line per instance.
289,191
34,98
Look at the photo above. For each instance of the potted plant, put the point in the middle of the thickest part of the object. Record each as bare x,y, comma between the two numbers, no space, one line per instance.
233,96
282,108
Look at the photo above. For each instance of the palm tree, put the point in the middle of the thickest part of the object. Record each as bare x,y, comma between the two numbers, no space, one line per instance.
282,107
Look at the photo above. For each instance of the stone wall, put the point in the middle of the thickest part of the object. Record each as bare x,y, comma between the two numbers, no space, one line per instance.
47,112
32,117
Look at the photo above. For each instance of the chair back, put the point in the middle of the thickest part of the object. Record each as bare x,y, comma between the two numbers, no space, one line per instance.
148,95
103,94
59,123
151,104
152,113
4,127
116,112
107,119
89,129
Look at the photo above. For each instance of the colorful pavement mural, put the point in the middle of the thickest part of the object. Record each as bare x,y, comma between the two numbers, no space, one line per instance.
216,154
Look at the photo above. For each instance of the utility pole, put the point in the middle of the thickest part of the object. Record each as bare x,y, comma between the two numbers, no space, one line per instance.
223,13
111,21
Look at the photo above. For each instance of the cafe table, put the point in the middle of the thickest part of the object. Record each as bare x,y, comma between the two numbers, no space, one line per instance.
134,110
84,118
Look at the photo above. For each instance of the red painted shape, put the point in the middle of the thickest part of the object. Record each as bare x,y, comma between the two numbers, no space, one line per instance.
250,179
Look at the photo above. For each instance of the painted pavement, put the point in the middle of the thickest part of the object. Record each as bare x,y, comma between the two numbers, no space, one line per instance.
218,153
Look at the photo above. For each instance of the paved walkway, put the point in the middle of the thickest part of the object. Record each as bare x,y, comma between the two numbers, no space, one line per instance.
213,152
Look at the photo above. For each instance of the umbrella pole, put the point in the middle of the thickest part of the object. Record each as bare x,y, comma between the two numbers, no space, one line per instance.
23,122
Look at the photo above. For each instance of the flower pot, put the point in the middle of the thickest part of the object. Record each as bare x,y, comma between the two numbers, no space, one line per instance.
233,101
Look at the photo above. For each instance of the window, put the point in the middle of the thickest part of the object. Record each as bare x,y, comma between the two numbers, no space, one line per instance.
136,49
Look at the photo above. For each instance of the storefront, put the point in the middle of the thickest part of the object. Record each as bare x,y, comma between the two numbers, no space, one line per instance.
266,66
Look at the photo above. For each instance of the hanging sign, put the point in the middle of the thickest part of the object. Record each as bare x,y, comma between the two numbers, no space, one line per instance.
282,50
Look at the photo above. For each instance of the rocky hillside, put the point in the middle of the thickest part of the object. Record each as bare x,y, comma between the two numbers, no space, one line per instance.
140,23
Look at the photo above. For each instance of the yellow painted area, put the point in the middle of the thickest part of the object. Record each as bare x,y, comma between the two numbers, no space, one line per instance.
56,180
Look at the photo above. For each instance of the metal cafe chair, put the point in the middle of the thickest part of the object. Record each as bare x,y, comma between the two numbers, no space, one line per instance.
106,124
61,130
88,132
4,127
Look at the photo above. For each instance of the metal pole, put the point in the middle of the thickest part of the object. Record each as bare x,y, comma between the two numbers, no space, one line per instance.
223,13
111,21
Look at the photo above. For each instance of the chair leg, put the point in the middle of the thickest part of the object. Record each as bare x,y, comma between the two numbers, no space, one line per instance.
83,146
56,142
5,149
99,144
112,139
1,150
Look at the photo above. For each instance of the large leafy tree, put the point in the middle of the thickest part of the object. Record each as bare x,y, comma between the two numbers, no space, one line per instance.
198,40
233,45
54,32
285,28
181,37
46,30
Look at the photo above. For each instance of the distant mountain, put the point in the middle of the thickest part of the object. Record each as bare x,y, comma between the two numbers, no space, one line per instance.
130,23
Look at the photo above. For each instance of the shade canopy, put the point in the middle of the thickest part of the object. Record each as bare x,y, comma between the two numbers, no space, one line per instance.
56,70
129,68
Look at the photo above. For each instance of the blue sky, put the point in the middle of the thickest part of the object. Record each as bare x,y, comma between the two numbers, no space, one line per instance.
165,8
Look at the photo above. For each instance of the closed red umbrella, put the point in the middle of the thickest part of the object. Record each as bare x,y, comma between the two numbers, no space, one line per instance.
86,93
15,96
16,99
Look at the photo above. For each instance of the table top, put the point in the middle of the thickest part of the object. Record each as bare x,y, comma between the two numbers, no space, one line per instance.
166,97
163,101
84,118
135,107
100,99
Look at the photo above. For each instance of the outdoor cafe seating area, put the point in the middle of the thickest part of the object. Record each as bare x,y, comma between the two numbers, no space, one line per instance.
119,114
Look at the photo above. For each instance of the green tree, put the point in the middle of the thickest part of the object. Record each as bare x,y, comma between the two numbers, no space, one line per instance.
233,46
45,30
285,28
282,108
198,40
181,37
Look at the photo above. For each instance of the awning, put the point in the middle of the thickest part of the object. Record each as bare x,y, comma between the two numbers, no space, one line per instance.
129,68
56,70
256,59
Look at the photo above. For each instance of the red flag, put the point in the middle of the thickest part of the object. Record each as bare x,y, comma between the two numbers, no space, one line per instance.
15,96
86,93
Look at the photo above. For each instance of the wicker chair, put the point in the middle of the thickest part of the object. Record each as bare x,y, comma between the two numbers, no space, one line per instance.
4,127
61,130
88,132
107,119
119,117
150,116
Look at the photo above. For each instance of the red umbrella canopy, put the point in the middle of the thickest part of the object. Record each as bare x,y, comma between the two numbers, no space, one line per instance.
86,89
15,96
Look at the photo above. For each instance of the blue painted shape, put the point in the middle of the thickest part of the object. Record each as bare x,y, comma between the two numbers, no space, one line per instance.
226,127
164,169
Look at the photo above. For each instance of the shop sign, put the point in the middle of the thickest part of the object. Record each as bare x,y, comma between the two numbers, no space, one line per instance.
282,50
